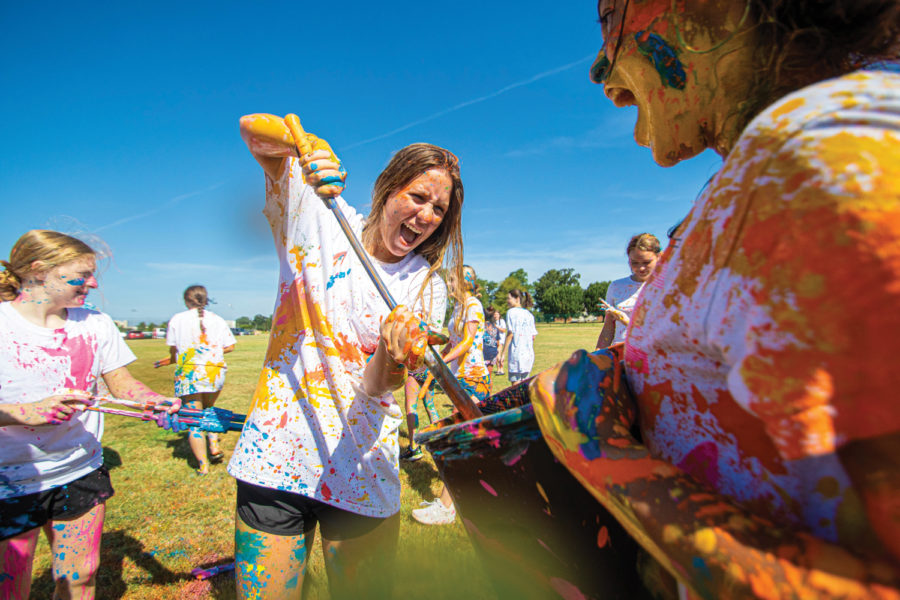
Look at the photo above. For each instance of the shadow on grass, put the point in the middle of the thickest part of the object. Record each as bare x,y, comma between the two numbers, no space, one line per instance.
422,475
114,547
111,458
182,450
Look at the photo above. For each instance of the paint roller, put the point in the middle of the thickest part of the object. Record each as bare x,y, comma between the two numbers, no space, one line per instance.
461,400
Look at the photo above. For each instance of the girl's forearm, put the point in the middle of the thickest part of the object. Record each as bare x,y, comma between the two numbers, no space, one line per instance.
382,374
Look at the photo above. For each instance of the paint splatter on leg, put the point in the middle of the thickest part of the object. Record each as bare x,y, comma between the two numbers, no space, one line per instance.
16,556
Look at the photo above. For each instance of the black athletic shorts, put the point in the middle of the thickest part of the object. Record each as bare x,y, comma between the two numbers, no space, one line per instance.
285,513
24,513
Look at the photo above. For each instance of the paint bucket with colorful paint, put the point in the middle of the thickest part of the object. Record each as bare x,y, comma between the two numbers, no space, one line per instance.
539,533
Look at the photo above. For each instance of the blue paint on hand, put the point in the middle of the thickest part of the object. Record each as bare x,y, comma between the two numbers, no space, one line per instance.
332,180
663,57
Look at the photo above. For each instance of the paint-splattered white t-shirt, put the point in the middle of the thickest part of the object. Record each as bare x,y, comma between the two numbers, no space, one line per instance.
471,365
35,363
311,429
623,294
520,325
201,359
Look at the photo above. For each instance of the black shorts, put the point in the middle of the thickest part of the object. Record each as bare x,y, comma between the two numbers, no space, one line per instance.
285,513
24,513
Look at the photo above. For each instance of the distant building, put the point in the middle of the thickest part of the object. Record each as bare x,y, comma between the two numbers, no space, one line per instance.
121,324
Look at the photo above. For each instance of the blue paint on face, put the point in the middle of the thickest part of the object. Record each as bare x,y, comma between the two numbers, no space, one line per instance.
663,57
76,282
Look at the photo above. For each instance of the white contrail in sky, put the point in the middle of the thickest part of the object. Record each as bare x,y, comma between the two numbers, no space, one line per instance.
167,204
473,101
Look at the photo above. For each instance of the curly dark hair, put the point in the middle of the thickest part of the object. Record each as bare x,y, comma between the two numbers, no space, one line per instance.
804,41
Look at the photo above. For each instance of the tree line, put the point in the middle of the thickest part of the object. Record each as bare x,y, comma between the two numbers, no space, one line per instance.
557,293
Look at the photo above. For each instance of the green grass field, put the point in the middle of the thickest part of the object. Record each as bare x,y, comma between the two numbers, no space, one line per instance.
165,521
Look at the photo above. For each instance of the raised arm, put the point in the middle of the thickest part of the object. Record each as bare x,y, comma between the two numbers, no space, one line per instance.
269,141
607,333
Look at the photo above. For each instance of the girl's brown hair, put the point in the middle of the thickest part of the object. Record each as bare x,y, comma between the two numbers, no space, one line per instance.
459,292
50,248
801,42
196,297
443,248
523,297
645,242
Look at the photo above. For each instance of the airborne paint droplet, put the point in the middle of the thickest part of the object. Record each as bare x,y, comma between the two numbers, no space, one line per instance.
602,537
487,486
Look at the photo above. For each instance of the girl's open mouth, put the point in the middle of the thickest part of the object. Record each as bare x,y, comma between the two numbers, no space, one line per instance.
409,234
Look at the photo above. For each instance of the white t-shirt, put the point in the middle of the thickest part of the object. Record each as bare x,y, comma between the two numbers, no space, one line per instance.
35,363
184,333
471,365
311,429
520,325
623,294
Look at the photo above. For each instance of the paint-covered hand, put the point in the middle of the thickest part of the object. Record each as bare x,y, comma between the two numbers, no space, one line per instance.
322,169
406,338
583,406
618,314
169,405
52,410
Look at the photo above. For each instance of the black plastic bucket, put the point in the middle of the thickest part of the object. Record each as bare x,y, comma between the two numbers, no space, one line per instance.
539,533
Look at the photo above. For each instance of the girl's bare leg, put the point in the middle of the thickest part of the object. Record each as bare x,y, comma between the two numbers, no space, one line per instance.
209,400
268,565
364,566
196,437
16,558
75,544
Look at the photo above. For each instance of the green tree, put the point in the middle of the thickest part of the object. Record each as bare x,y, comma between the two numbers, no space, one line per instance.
142,326
551,279
592,296
488,289
243,323
565,301
262,323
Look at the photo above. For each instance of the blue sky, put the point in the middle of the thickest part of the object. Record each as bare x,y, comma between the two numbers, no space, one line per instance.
120,123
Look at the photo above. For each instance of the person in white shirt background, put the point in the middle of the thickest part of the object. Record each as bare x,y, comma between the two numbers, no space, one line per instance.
520,334
643,252
198,340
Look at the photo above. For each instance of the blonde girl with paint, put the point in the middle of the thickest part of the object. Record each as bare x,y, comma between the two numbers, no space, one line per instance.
320,444
56,356
465,356
642,252
198,341
520,334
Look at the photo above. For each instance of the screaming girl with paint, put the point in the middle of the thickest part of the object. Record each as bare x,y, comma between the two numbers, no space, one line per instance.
56,357
320,445
759,365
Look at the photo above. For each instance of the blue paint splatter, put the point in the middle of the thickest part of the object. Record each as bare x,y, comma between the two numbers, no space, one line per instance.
59,527
663,57
335,277
75,282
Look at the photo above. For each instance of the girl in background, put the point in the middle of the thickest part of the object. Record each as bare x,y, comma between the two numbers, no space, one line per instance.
492,339
320,445
465,356
53,355
198,340
519,335
642,252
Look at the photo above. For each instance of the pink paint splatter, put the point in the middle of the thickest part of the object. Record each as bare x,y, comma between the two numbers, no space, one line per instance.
488,487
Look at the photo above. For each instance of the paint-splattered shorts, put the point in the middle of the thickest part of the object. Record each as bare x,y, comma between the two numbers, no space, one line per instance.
479,387
285,513
24,513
